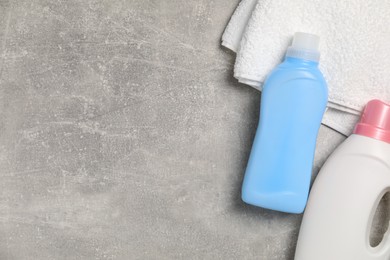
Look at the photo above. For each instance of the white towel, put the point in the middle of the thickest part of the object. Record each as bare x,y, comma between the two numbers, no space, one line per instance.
355,48
234,31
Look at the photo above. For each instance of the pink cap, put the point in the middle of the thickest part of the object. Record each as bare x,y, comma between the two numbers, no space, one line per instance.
375,121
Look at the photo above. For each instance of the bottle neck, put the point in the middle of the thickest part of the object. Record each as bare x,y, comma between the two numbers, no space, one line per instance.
301,61
305,54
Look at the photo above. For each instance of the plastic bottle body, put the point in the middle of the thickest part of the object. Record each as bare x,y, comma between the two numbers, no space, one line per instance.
293,102
342,203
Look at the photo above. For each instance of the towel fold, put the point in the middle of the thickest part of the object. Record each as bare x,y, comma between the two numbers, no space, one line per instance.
234,31
355,37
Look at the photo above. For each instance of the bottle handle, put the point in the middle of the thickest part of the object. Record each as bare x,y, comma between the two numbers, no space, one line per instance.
383,249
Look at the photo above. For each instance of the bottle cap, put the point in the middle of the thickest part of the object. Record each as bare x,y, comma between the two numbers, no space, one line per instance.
375,121
304,46
306,41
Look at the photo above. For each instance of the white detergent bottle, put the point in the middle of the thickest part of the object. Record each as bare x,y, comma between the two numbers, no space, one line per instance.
342,203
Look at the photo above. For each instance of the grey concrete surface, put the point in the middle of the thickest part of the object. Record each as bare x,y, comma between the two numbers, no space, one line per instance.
124,136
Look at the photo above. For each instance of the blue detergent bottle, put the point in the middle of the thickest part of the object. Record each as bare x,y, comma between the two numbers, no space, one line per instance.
293,102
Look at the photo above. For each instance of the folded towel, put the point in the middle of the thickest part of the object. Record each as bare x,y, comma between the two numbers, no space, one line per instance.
234,31
355,38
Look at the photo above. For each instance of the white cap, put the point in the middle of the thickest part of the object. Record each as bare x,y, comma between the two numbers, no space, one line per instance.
305,46
306,41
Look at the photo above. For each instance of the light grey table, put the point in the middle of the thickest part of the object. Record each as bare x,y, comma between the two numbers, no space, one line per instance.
124,136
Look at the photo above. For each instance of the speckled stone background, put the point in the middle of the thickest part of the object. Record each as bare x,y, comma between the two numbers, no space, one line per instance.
124,136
